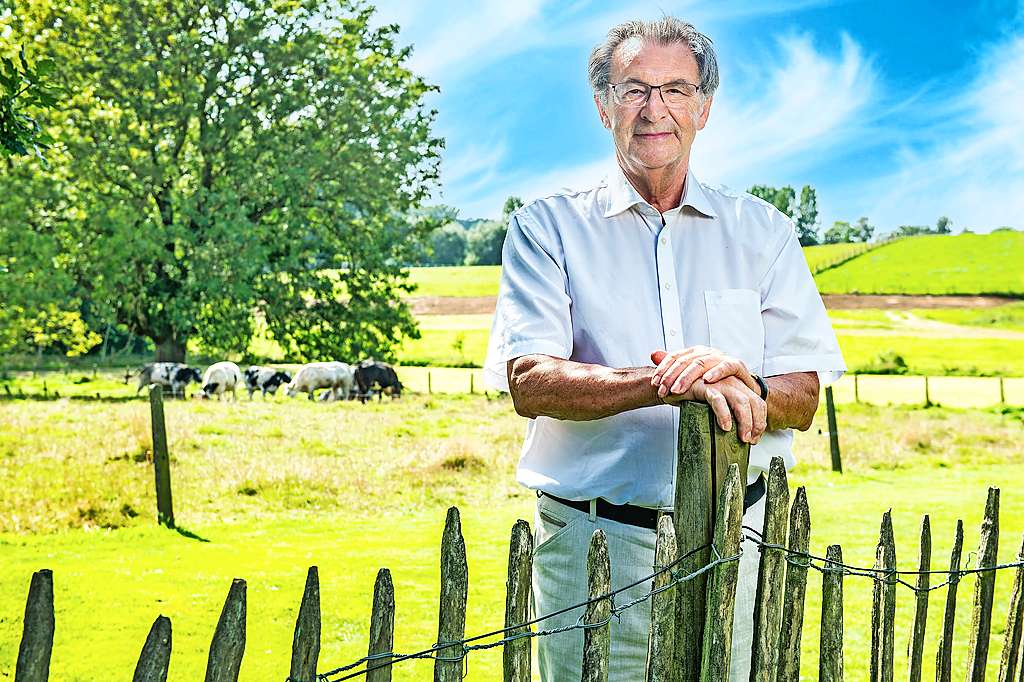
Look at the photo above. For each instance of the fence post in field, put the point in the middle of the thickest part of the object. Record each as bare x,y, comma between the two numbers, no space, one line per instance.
228,643
856,389
471,382
768,598
663,606
382,628
156,653
306,640
451,625
915,649
430,388
597,639
883,607
161,459
927,394
1011,643
1002,392
944,655
721,599
37,632
516,654
833,431
981,618
796,588
830,660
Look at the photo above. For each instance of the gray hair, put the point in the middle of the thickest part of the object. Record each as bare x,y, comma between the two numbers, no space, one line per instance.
665,31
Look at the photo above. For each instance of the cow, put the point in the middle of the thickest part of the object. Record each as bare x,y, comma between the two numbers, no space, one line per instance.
220,377
265,379
173,375
379,375
335,376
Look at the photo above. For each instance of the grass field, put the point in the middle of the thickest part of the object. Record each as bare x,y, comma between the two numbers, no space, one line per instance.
479,280
366,486
823,255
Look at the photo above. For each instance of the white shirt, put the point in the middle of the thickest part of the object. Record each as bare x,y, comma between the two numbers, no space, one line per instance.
599,276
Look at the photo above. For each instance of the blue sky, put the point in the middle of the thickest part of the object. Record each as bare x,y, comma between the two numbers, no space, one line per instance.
898,111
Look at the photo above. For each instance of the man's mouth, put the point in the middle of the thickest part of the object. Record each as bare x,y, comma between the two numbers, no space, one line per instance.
653,136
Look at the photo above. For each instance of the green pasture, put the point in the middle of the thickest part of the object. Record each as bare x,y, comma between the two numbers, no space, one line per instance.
456,280
265,490
824,255
934,264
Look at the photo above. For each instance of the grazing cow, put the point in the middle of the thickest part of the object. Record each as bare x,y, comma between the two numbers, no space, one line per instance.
173,375
379,375
265,379
335,376
220,377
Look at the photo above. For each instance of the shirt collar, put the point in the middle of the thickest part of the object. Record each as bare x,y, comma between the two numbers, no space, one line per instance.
623,196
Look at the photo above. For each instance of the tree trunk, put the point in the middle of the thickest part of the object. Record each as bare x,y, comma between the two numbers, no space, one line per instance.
170,350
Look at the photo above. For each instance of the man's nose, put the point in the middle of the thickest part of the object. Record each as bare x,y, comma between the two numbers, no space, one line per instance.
654,109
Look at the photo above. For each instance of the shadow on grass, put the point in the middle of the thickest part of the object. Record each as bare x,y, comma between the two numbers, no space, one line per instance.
185,532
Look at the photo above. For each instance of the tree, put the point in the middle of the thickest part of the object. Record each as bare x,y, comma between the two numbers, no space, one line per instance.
512,204
782,198
943,225
22,88
807,217
448,245
241,158
484,243
862,231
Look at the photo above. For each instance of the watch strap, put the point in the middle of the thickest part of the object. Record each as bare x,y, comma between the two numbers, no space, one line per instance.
762,384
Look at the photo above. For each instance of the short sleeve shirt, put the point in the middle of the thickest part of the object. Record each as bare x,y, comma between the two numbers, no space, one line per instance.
600,276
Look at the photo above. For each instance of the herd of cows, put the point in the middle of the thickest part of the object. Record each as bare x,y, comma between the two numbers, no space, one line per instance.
340,380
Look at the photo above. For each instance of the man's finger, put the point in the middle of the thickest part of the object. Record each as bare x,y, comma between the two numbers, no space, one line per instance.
741,411
731,367
720,407
675,370
759,411
666,363
658,355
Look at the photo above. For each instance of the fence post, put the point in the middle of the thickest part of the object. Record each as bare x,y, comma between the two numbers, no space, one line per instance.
1002,392
37,631
1011,643
228,645
830,660
772,575
944,655
663,606
597,639
306,640
161,459
156,653
981,619
516,654
451,625
833,431
883,608
927,394
382,628
915,649
856,389
430,388
471,391
796,588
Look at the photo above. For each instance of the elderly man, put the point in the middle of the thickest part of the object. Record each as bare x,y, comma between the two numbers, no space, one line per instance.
618,302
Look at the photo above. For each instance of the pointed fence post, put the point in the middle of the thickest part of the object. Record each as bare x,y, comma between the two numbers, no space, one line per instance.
306,640
161,459
833,431
984,587
944,654
796,588
155,658
597,639
915,648
663,606
830,660
451,621
771,577
228,645
516,655
883,611
1009,661
382,628
37,631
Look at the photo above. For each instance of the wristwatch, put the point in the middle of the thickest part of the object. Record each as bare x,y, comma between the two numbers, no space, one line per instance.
764,386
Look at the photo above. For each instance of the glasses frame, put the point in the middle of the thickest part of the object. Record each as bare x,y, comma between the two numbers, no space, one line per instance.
650,89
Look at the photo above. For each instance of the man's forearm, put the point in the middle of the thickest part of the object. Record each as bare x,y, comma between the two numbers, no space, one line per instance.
792,400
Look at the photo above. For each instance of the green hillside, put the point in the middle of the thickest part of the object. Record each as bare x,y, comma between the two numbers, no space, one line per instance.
934,264
456,280
825,255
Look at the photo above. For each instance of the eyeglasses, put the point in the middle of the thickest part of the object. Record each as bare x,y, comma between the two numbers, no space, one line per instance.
636,93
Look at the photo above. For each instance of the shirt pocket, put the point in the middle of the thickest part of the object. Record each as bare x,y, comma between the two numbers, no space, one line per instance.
735,326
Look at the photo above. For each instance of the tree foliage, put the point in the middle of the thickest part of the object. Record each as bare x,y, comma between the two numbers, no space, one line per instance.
447,245
484,243
806,218
843,232
24,87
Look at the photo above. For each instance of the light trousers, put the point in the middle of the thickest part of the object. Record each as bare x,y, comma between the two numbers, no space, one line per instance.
561,540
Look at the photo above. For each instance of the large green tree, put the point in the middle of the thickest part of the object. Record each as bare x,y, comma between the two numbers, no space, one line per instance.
236,160
806,218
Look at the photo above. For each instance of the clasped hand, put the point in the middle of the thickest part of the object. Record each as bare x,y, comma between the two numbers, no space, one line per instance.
722,381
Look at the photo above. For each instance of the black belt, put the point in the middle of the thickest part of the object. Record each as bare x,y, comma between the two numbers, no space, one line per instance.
644,517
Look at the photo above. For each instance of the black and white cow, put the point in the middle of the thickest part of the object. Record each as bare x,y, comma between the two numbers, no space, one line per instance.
265,379
173,375
381,376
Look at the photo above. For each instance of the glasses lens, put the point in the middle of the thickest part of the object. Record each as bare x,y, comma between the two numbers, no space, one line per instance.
631,93
678,93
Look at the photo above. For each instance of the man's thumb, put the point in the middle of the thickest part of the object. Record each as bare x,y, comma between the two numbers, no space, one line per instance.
657,356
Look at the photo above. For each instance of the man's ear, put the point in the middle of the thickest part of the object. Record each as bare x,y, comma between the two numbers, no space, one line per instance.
605,121
705,110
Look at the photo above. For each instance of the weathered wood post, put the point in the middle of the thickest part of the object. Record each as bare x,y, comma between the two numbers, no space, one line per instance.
1002,392
451,625
430,387
382,628
833,431
661,643
883,608
516,654
37,631
772,575
856,389
228,644
927,394
161,459
830,659
796,588
471,391
944,654
984,587
155,658
597,640
1011,643
306,639
915,648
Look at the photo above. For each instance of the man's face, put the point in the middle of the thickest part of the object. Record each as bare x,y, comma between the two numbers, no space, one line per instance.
653,136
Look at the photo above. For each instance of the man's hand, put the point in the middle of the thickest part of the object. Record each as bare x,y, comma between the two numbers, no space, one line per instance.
728,397
676,372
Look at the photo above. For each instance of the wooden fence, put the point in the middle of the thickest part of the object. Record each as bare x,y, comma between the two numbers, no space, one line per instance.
691,605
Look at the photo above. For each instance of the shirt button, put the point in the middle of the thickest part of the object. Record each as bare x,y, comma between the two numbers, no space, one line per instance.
672,332
668,285
664,240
